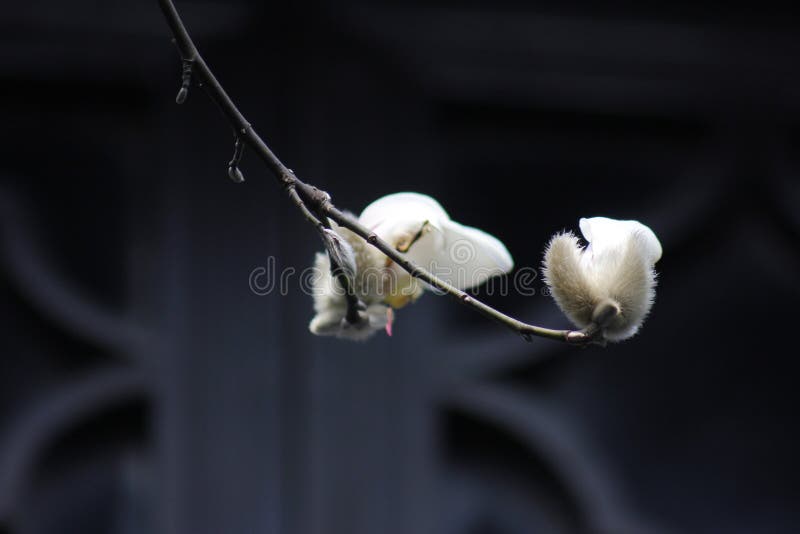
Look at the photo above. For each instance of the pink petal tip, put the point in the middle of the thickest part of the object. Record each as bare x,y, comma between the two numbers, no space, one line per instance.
389,321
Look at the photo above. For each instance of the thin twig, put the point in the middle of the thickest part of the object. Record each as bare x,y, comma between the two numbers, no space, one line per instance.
311,200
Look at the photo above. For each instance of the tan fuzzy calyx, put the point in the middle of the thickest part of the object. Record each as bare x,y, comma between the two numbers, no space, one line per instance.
569,286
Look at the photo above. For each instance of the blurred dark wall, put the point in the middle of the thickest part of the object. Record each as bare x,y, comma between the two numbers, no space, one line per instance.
145,388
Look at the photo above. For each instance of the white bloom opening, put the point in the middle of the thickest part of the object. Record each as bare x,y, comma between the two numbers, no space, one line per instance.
616,268
419,227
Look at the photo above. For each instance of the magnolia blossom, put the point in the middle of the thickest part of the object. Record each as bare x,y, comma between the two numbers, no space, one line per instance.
616,270
417,226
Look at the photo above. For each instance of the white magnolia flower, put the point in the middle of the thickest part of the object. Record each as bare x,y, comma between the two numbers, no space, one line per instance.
417,226
616,269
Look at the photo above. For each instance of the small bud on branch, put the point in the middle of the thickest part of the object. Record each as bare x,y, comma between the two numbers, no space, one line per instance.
233,165
186,81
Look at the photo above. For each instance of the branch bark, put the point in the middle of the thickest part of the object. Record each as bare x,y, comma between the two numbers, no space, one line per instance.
316,204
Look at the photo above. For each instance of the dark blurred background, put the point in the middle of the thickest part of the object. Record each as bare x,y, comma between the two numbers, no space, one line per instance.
144,388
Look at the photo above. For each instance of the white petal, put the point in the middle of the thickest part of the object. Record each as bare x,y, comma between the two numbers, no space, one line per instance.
470,256
401,208
376,321
461,255
609,235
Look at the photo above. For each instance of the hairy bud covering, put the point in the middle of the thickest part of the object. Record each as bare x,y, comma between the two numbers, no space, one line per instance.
615,269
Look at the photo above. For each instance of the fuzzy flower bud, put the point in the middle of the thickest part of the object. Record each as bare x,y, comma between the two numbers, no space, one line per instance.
611,282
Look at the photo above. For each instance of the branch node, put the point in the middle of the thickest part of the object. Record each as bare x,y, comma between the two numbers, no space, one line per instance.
575,336
288,179
319,197
591,335
317,200
186,80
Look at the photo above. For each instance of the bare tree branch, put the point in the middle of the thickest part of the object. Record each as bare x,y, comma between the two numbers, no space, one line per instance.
316,205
